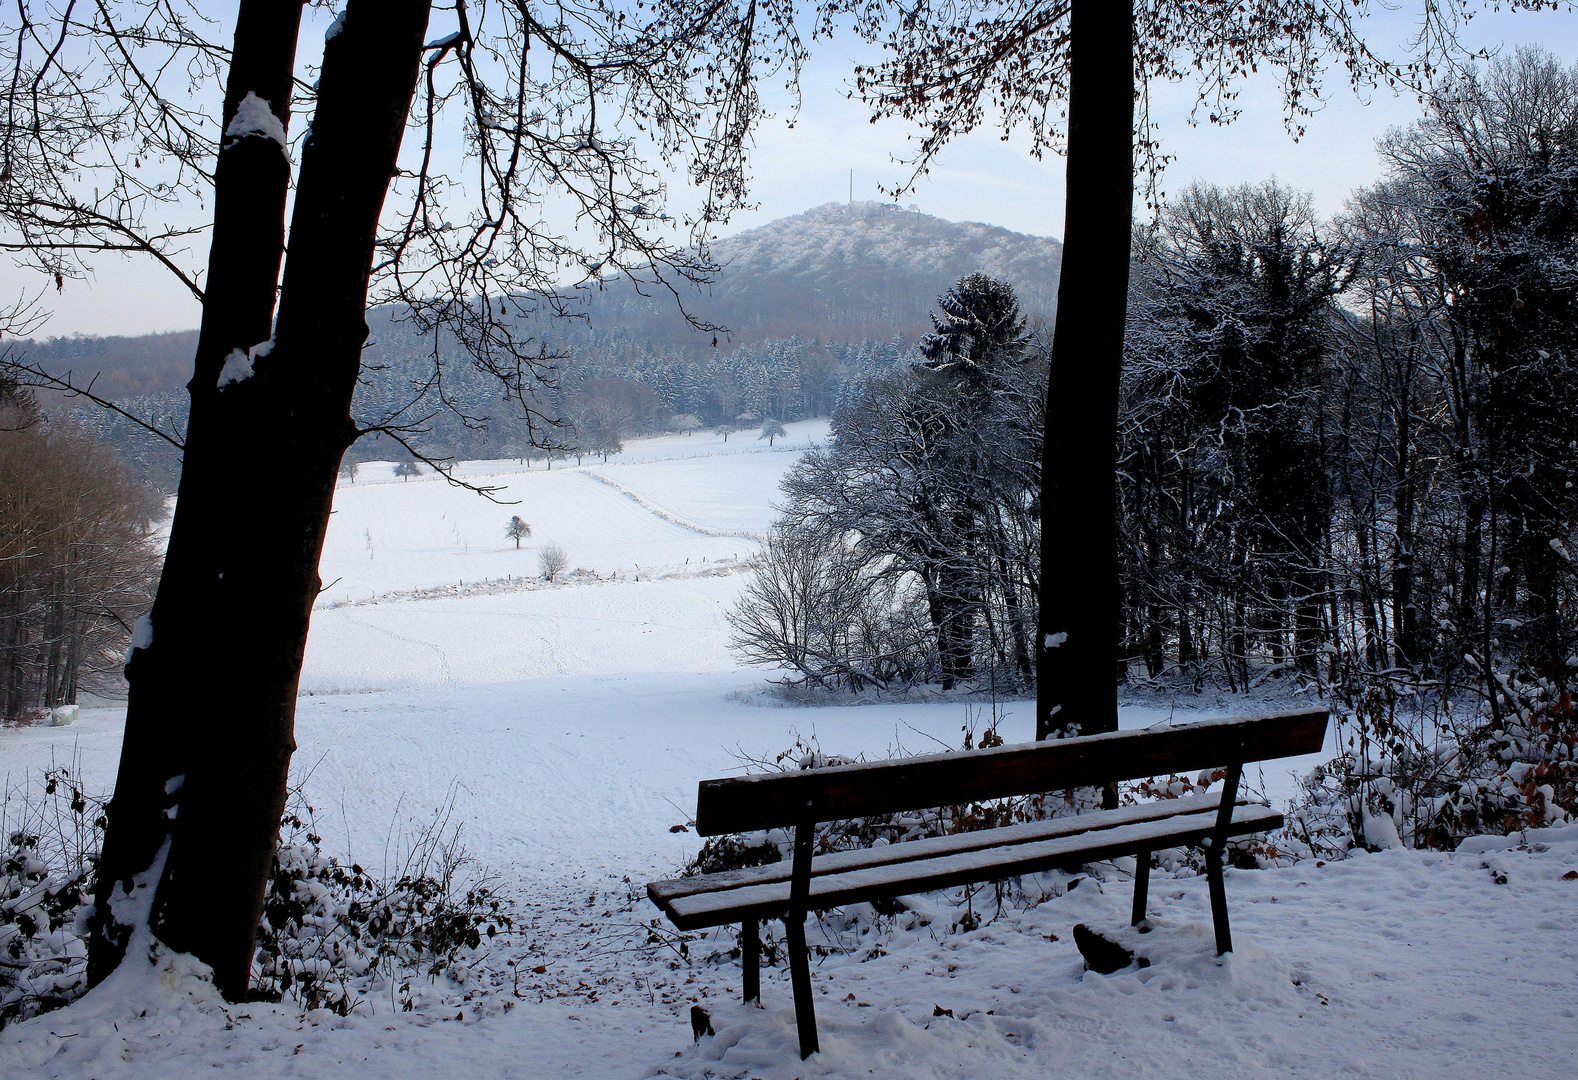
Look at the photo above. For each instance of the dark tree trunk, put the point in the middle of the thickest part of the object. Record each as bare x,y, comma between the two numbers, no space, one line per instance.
176,680
294,416
1405,618
1080,602
1368,586
1155,662
1186,653
1307,628
1017,629
1473,606
936,610
1273,621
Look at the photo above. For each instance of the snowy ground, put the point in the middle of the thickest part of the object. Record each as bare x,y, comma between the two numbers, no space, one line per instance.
570,723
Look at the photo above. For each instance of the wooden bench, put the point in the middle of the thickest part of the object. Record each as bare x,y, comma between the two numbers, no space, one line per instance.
800,800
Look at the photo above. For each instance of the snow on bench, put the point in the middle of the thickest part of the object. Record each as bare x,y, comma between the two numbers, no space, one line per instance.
802,799
942,872
663,893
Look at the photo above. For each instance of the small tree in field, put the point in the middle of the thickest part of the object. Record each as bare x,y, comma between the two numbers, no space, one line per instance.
407,469
726,430
770,431
686,422
553,560
606,441
348,469
517,530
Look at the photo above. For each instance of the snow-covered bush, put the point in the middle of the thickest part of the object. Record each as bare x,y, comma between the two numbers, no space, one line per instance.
1522,762
552,560
330,935
331,932
822,611
1421,772
51,836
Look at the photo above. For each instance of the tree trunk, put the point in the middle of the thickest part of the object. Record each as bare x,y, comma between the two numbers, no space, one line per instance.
1404,615
177,678
1017,629
1079,603
298,406
1472,605
1186,654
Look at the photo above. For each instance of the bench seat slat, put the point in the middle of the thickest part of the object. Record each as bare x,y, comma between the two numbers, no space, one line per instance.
833,890
664,892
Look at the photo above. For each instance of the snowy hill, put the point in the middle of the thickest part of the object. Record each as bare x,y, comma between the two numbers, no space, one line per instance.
844,272
836,246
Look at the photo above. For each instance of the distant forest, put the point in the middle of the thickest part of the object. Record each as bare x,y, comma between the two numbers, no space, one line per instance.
598,397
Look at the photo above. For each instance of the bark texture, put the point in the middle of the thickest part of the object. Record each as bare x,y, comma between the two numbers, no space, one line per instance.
1080,609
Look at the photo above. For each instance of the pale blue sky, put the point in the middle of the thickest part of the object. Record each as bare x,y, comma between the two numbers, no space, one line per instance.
979,178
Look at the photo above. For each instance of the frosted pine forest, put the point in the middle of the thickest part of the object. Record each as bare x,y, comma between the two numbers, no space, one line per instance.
1338,486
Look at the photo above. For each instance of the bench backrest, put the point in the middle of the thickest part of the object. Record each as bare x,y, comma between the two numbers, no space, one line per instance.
771,800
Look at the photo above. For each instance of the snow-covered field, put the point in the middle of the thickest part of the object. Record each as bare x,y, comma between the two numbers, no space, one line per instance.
570,723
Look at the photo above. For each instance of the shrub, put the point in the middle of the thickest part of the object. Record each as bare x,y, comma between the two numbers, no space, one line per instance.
1429,773
52,835
330,930
552,559
823,611
330,934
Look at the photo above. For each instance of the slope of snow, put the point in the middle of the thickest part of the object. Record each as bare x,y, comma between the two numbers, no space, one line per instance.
388,534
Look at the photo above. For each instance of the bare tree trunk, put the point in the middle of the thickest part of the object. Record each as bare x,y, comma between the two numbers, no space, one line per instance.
179,674
1404,615
1186,651
298,404
1077,646
1017,629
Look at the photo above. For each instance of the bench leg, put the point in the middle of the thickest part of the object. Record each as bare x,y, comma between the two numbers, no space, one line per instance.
1142,885
800,978
750,958
1213,874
